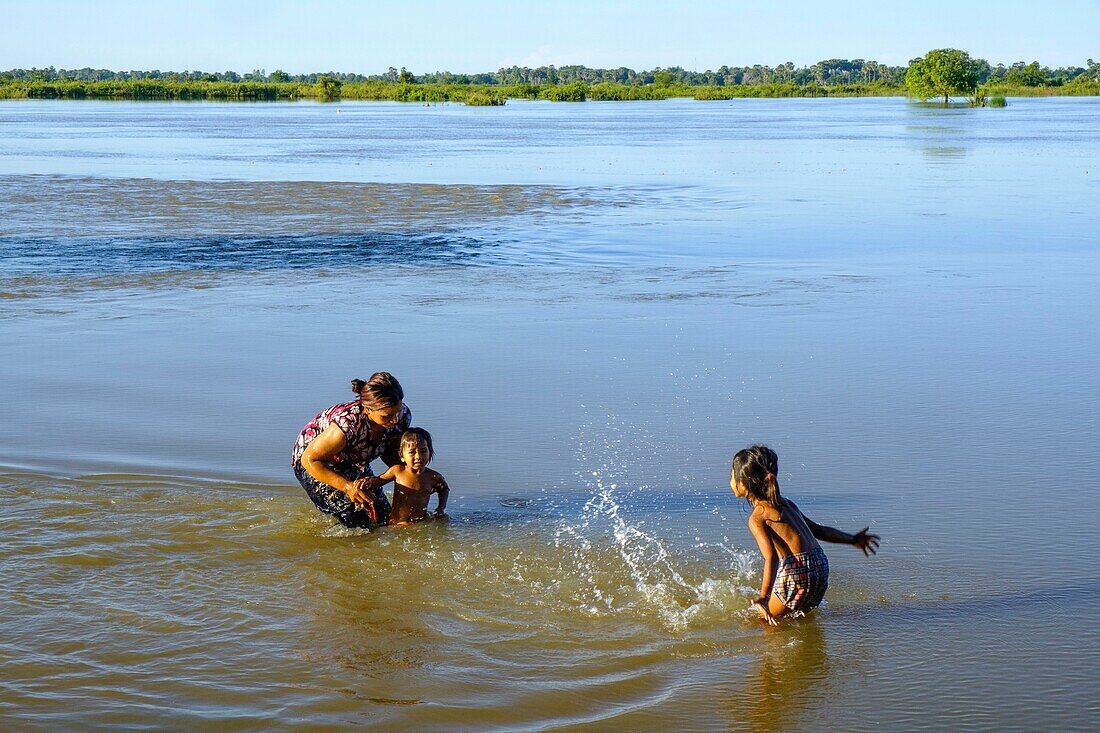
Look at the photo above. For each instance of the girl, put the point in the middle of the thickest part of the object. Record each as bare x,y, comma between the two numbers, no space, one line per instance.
413,482
782,531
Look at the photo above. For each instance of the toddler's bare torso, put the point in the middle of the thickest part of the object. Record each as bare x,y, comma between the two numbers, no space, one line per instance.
411,493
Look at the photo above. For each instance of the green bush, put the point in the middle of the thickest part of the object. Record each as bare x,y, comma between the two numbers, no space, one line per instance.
521,91
607,91
977,99
576,91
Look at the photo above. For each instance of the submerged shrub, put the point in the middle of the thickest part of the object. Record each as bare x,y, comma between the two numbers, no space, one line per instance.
328,89
483,98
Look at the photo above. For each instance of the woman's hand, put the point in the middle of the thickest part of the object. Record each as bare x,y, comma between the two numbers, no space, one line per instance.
357,494
866,542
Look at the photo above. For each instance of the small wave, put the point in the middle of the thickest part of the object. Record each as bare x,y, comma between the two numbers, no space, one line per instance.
29,261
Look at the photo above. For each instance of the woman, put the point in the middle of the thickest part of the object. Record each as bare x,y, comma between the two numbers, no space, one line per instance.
333,452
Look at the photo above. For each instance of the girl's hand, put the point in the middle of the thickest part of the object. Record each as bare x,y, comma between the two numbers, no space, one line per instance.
761,605
866,542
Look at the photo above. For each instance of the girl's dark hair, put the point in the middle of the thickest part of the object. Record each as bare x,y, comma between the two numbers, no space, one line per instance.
413,436
381,392
756,469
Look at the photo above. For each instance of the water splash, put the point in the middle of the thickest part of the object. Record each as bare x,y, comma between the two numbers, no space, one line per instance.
657,569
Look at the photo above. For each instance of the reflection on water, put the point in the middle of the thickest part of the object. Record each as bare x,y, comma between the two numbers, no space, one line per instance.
789,686
944,153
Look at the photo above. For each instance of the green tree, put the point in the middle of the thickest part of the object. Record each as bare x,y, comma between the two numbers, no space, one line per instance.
1027,75
941,73
405,77
328,89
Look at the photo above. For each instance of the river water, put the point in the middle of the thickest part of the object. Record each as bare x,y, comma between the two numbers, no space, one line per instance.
591,307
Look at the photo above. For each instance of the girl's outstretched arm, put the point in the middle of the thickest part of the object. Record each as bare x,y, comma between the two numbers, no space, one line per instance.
866,542
767,549
861,539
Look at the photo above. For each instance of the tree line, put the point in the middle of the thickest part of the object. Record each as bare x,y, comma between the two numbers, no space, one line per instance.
941,74
829,72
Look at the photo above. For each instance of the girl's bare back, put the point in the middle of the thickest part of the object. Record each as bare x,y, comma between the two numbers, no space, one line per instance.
787,528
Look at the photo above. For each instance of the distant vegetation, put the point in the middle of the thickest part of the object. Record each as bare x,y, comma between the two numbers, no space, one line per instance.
940,73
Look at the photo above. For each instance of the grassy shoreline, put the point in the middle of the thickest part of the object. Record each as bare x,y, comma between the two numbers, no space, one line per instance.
328,90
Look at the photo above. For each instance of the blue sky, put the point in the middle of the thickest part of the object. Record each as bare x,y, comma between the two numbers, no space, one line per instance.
484,35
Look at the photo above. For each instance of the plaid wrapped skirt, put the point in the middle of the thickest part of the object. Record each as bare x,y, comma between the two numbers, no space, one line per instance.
802,579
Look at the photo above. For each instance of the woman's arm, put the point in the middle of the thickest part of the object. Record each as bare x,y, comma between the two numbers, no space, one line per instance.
315,460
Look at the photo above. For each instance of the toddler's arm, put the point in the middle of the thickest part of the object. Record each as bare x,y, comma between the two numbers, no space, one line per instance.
442,491
377,482
370,483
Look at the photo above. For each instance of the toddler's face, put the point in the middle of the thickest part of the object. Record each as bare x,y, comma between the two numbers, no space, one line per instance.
414,455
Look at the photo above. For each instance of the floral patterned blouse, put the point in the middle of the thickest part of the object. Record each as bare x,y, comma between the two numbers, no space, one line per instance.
352,420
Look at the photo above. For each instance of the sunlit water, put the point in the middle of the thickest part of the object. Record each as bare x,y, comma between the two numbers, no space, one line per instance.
591,307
